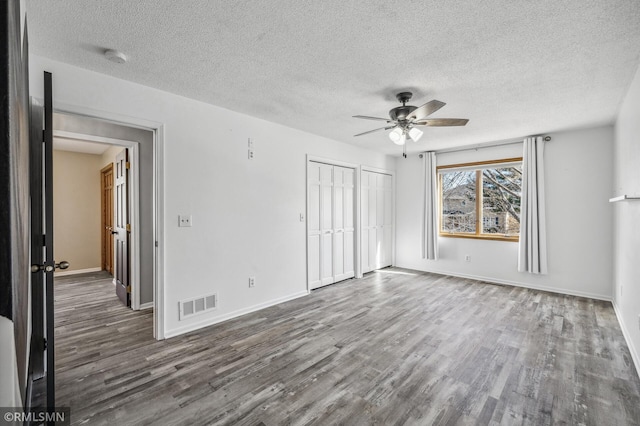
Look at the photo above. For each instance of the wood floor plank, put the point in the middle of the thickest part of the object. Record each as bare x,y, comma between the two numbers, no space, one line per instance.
395,347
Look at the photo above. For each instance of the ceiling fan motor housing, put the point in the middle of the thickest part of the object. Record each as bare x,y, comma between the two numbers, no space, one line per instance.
400,113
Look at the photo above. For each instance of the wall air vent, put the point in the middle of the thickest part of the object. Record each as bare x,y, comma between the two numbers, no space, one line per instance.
198,305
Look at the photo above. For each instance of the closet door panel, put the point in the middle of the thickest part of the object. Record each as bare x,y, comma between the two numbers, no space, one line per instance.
373,248
349,258
326,258
314,260
338,256
364,251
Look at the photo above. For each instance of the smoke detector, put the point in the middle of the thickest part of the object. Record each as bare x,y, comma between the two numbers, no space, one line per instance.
115,56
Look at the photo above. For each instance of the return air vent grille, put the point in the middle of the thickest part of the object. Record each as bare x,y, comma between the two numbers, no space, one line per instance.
198,305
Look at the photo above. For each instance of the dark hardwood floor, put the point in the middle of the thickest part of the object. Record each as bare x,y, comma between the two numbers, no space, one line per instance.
396,347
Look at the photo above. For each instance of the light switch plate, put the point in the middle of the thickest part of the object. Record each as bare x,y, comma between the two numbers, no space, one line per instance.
185,220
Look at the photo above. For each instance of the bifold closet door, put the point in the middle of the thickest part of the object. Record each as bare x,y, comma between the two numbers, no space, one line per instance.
343,228
330,219
376,220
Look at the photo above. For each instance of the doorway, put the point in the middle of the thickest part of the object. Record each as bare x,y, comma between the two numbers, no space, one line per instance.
80,133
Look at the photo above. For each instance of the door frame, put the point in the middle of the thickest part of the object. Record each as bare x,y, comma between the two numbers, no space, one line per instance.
393,207
356,186
158,197
134,201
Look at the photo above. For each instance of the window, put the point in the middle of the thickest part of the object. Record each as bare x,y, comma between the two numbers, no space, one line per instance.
481,200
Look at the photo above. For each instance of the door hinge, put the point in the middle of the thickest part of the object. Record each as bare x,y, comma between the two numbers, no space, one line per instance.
156,244
44,240
128,165
128,227
44,344
129,288
44,135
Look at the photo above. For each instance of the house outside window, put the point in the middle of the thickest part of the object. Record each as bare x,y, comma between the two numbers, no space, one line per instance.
481,200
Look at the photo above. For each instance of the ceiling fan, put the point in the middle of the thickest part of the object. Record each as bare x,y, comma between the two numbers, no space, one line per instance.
405,119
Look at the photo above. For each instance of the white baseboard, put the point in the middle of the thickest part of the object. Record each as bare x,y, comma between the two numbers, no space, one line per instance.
627,337
569,292
148,305
77,271
215,320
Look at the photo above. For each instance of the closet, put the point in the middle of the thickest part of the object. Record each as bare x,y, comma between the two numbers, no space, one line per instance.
377,220
330,224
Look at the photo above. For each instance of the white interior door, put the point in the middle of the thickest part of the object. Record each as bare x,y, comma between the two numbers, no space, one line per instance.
343,230
331,232
313,225
326,224
377,220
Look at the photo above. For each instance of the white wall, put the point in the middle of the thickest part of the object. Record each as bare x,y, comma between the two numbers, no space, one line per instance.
245,213
627,218
579,219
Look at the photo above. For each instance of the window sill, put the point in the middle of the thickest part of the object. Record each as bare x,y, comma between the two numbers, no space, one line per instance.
491,237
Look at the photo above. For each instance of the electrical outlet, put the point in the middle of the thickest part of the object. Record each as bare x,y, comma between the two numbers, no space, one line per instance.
252,282
250,154
185,220
467,258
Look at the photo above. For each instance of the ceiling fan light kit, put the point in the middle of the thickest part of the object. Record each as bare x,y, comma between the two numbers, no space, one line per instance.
415,134
404,119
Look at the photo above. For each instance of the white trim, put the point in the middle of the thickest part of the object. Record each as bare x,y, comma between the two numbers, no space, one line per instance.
568,292
76,272
158,226
148,305
331,162
134,201
377,170
158,200
215,320
358,223
627,337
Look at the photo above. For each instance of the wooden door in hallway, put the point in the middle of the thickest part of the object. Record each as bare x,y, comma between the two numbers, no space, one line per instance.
122,228
106,208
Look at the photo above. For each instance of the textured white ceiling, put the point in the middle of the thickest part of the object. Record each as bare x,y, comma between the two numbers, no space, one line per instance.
513,68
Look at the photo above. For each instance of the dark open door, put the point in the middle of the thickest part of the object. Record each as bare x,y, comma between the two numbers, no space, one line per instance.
36,158
43,263
122,228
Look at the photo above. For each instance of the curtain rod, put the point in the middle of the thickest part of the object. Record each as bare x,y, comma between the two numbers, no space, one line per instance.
480,146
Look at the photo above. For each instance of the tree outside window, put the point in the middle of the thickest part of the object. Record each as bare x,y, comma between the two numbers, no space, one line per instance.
481,200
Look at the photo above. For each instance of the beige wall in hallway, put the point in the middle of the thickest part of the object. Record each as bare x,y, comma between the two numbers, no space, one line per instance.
109,156
76,209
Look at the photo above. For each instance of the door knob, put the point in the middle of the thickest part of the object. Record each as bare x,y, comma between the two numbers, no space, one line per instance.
114,232
63,265
49,268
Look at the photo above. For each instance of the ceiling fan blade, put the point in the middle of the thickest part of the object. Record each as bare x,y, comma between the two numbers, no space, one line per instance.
425,110
441,122
366,117
375,130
